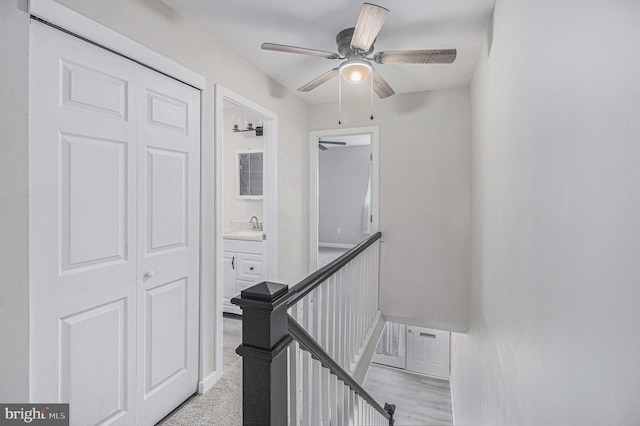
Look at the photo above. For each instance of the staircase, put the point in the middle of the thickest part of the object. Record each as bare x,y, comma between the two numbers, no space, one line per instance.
306,349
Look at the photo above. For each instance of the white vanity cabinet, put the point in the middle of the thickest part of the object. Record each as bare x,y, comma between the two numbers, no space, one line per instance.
243,268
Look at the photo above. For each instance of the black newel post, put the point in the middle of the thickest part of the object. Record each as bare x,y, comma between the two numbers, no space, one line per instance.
391,409
264,359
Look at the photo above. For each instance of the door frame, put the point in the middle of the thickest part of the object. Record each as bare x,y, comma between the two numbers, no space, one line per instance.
314,181
270,200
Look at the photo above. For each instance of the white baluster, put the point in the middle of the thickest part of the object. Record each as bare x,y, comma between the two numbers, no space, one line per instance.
294,382
326,407
315,330
306,369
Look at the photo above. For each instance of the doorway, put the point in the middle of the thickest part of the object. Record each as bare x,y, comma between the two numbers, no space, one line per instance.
343,191
246,222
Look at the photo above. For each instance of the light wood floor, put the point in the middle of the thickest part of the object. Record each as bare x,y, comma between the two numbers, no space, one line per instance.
420,400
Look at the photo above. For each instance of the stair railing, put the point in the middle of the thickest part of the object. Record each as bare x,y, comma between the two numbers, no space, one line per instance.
302,346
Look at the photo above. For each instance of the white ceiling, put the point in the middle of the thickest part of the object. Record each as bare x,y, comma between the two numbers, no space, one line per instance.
412,24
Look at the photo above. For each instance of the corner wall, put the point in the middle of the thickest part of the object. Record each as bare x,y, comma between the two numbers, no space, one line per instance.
14,202
423,201
555,184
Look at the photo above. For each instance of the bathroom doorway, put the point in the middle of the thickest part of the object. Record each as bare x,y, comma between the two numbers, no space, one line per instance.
343,191
246,251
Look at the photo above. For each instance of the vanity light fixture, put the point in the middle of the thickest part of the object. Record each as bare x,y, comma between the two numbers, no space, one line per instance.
250,128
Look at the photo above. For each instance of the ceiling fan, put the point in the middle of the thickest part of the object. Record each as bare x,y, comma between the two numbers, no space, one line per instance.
324,148
355,44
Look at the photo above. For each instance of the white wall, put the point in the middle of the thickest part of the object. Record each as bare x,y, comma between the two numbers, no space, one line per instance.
555,113
424,201
236,209
14,202
343,181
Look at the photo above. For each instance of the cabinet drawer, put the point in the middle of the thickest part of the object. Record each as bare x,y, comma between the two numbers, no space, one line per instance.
243,285
249,267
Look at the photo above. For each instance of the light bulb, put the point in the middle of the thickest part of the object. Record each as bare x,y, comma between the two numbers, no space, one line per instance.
355,70
355,76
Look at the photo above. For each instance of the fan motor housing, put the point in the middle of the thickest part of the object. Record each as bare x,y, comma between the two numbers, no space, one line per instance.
343,39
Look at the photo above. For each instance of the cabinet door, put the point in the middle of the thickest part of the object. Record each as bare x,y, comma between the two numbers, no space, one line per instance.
243,285
250,267
229,267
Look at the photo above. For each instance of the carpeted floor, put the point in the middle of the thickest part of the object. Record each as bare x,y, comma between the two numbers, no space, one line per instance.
222,405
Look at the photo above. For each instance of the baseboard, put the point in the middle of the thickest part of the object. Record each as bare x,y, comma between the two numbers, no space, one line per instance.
205,385
336,245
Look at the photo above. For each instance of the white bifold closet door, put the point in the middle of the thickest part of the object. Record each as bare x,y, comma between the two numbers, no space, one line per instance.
114,233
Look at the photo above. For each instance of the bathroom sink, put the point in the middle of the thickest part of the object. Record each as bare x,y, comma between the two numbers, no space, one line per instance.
243,234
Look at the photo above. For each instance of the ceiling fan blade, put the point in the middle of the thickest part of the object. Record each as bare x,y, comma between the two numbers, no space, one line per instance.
369,23
445,56
318,81
322,148
299,50
333,142
380,86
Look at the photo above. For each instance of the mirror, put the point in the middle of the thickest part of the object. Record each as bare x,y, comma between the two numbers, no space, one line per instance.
249,177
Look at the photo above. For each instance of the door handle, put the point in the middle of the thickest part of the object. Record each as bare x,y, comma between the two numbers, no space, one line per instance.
233,266
430,336
251,268
148,274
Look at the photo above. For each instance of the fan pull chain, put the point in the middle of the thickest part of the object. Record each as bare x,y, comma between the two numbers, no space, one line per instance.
339,99
371,94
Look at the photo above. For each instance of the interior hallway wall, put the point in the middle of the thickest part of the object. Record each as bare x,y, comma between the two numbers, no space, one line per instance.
424,201
14,202
555,113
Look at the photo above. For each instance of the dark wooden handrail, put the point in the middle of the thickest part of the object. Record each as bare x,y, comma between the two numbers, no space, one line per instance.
307,285
309,344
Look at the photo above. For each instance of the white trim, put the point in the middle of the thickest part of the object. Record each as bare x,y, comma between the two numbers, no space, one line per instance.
362,366
269,203
314,182
437,325
336,245
208,382
70,20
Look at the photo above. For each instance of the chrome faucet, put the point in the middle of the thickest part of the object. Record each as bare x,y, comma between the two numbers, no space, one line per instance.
255,226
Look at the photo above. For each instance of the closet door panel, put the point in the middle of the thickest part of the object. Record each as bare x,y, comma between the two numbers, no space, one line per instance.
167,195
82,159
94,201
168,250
91,338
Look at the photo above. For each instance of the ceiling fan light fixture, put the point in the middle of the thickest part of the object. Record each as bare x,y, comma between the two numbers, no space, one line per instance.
355,70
